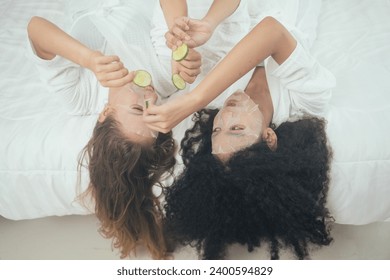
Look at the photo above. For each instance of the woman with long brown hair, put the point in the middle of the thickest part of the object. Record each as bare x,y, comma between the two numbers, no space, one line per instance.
124,158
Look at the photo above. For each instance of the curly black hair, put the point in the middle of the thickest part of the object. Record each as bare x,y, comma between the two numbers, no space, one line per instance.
257,197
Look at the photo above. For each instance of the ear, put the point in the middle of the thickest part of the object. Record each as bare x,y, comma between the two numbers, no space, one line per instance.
269,136
104,113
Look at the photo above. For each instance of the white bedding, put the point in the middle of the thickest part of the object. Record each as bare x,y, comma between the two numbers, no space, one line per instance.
39,144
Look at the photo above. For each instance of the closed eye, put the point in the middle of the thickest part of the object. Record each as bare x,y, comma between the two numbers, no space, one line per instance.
136,109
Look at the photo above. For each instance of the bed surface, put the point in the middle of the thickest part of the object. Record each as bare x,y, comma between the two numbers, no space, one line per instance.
40,144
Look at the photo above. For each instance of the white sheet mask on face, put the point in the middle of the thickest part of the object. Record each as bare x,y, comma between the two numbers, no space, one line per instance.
138,126
237,125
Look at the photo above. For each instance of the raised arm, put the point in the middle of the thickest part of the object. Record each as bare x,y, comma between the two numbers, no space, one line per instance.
219,10
268,38
189,68
173,9
49,41
196,32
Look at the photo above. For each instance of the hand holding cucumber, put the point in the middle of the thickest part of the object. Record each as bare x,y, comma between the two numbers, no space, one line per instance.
108,69
192,32
179,54
186,65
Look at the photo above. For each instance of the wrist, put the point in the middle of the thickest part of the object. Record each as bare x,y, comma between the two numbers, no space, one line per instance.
87,58
211,22
196,101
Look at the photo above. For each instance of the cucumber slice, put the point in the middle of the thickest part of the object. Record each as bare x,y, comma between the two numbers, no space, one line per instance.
142,78
147,102
178,81
180,53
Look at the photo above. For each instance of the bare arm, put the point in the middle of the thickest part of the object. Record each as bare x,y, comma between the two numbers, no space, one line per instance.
195,32
219,10
173,9
268,38
49,41
189,68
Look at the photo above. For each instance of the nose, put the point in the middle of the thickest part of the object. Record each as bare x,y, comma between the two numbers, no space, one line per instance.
149,97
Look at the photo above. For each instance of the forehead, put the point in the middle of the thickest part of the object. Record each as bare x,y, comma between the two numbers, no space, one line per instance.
134,124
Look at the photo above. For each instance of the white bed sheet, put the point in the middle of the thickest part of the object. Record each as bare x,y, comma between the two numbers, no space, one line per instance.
39,148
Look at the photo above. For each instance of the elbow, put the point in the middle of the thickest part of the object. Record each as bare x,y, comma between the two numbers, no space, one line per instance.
270,22
282,41
35,29
31,26
275,27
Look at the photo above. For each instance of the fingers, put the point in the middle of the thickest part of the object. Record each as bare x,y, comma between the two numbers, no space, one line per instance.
150,97
105,59
107,76
155,114
177,34
189,68
179,28
111,67
154,120
154,124
118,82
189,77
110,71
182,23
152,113
193,60
158,127
172,42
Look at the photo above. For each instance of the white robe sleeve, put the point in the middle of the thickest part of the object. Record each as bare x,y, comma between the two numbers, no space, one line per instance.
76,88
299,86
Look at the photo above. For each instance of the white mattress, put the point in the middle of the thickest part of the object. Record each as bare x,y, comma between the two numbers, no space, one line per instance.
39,144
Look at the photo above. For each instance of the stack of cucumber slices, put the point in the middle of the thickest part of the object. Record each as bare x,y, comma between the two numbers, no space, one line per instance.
179,54
143,78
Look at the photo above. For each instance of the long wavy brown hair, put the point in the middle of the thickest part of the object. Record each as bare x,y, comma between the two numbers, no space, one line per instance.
122,176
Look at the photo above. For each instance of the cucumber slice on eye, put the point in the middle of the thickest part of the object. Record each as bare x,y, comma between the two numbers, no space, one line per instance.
142,78
180,53
178,81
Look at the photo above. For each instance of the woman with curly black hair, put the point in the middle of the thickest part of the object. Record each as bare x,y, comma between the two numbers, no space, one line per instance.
259,196
255,172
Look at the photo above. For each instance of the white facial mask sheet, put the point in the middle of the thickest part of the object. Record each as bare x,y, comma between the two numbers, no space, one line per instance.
237,125
138,127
